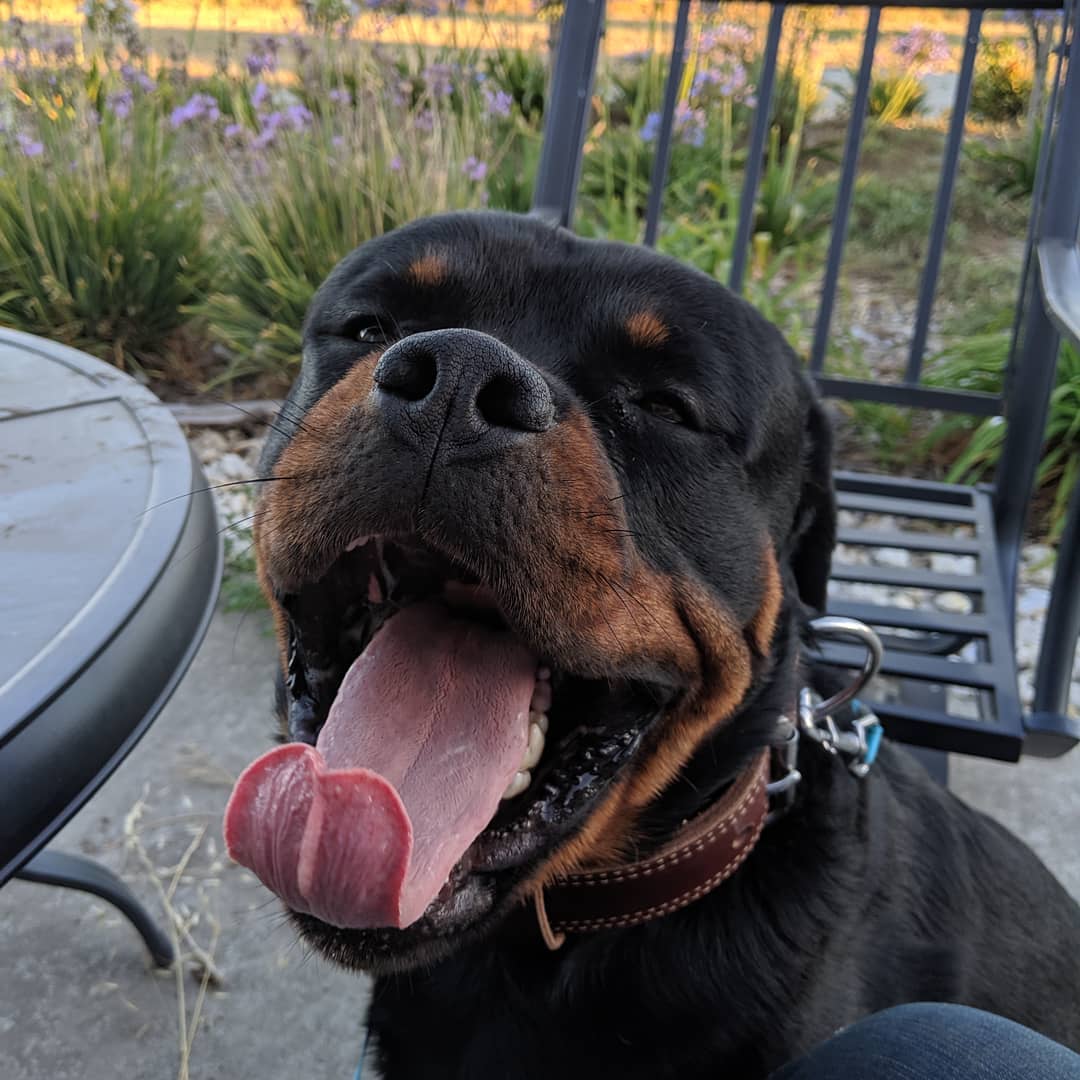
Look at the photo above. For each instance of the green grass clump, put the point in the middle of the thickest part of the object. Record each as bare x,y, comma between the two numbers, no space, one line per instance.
101,235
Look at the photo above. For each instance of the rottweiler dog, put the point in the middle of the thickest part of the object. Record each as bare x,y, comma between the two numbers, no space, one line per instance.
549,519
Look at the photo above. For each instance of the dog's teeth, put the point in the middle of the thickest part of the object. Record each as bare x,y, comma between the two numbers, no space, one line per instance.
540,719
541,697
536,747
520,782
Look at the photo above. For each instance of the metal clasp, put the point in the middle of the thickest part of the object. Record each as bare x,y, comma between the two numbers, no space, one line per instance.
858,743
785,755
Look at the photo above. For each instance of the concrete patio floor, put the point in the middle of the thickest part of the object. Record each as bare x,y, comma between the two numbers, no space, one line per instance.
78,998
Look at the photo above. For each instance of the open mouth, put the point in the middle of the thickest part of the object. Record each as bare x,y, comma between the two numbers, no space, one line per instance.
436,757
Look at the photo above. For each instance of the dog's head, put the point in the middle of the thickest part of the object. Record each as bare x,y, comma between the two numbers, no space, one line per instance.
544,509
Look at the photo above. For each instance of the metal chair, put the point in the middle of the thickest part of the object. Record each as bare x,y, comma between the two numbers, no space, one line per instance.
930,654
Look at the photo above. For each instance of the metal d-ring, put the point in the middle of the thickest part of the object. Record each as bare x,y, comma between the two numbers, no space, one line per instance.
840,626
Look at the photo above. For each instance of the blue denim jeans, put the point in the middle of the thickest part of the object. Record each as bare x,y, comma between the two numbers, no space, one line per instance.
935,1042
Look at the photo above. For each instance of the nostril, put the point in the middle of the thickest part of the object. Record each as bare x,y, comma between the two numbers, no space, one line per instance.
408,373
524,405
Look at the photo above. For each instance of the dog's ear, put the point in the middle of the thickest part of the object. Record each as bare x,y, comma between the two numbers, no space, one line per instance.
813,533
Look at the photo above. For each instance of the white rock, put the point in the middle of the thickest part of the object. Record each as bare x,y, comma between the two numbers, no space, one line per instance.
941,563
1032,602
954,602
1025,682
1028,635
889,556
864,593
1037,564
961,701
234,467
853,556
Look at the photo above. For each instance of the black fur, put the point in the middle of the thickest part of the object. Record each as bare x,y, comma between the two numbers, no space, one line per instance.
868,893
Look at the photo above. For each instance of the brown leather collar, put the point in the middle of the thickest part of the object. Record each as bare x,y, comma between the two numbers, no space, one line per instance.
703,853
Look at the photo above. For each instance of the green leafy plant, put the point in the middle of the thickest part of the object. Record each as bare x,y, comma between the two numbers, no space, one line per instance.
977,364
1011,170
1001,87
523,75
895,97
101,246
333,180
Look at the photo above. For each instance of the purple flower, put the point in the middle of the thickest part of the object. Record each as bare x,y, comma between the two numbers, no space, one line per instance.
439,79
63,48
233,131
340,97
268,130
689,125
120,103
496,102
921,50
29,147
263,56
259,94
300,47
727,77
474,168
729,37
197,107
395,163
298,117
134,77
651,128
338,141
425,120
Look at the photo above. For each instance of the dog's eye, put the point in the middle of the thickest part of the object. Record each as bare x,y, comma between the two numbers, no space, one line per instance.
365,330
670,407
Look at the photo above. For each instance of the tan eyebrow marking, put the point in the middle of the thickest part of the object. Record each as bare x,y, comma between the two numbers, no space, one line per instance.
429,269
647,330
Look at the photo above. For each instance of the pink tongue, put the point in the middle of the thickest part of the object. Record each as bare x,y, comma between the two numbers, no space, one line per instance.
425,734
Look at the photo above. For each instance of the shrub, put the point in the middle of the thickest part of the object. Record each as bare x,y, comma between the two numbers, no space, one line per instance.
100,245
888,216
895,97
977,364
522,75
1001,88
305,188
1011,170
900,93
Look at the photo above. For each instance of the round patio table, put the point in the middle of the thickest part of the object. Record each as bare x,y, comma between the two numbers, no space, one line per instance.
110,560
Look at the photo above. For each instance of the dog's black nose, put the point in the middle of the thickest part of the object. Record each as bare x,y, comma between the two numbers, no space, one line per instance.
461,388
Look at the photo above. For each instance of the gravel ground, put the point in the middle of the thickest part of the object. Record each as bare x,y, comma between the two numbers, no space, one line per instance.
229,456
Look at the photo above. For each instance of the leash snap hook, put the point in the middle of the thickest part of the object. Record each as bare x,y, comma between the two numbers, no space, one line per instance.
838,626
859,743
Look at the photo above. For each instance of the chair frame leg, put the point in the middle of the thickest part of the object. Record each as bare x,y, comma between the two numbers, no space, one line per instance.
77,872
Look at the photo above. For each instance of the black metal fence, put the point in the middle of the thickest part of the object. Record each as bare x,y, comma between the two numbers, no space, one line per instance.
929,651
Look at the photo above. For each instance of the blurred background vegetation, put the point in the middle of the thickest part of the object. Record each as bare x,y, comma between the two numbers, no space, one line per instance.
177,178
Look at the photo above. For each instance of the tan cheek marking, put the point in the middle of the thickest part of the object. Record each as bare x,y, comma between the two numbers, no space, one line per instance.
676,622
725,676
284,512
762,626
430,269
647,330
